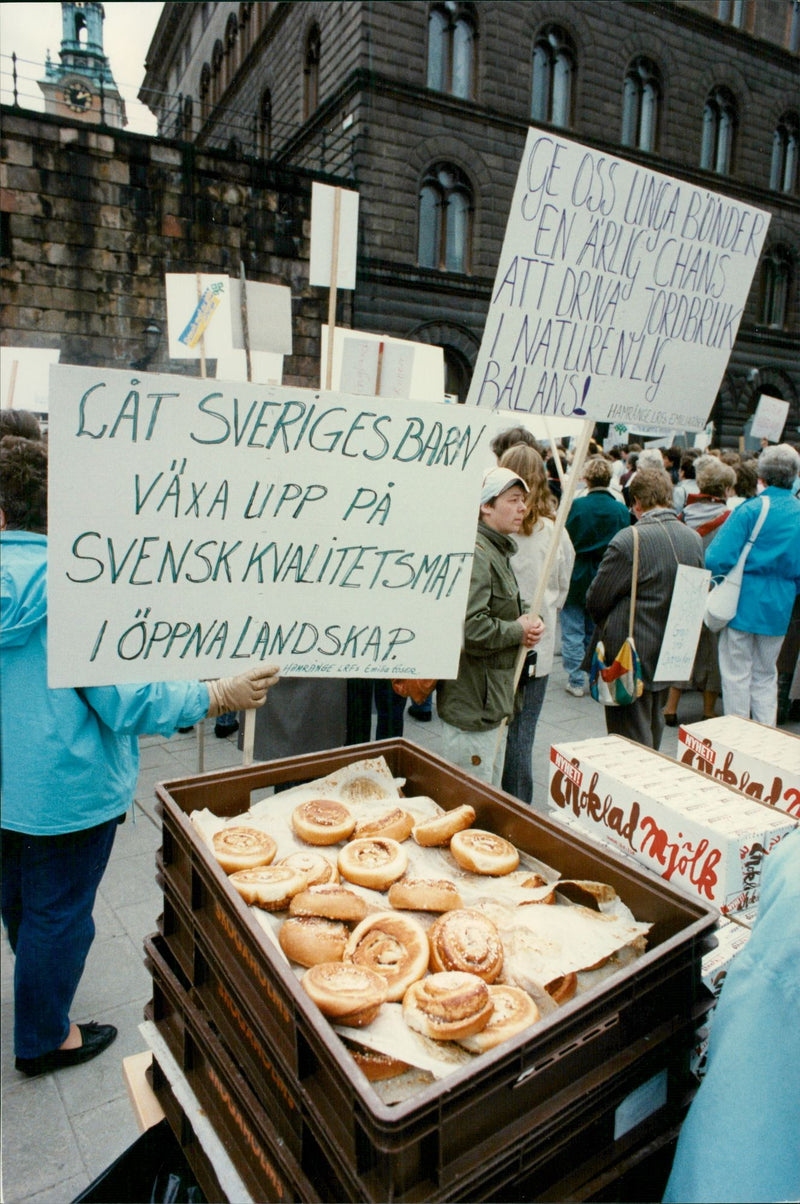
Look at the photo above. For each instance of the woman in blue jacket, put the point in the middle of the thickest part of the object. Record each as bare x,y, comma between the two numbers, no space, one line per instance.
750,644
70,762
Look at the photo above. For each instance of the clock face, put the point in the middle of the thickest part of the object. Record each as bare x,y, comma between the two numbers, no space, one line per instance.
77,97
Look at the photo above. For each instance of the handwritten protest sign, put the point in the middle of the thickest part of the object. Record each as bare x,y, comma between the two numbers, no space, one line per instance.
618,293
408,369
684,621
198,527
769,418
198,315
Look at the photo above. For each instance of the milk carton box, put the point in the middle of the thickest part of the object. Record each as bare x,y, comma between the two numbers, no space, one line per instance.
691,830
763,762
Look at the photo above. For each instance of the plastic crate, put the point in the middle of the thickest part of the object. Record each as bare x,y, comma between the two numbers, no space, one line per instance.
242,1117
499,1104
598,1113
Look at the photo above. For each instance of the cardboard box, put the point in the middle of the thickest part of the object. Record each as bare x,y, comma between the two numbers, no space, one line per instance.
762,762
701,835
732,935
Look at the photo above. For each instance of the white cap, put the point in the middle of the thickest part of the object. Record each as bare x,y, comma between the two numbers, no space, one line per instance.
497,480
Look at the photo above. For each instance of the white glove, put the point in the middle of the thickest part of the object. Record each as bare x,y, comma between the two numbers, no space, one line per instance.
243,692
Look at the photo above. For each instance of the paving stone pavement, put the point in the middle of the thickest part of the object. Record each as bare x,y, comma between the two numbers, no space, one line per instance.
60,1131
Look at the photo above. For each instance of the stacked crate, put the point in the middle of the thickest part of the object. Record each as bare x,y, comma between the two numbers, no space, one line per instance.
564,1109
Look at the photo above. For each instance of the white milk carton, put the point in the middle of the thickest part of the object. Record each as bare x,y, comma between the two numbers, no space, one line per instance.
763,762
732,935
690,830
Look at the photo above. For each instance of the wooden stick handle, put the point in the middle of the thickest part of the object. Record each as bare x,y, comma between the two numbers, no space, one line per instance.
337,210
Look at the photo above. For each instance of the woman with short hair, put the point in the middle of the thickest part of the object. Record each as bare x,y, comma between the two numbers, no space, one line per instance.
749,645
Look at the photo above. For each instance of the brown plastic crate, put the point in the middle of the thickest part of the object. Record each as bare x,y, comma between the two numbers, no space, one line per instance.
453,1125
580,1117
239,1114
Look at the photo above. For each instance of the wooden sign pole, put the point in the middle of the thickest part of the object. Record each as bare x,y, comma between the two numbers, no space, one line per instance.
249,733
337,209
12,384
201,731
558,528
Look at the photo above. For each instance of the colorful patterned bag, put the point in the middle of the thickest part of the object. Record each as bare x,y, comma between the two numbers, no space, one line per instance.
620,683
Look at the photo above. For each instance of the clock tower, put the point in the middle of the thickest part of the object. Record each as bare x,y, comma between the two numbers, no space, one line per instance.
81,85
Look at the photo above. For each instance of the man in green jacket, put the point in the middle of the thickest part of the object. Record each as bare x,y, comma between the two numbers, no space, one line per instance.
475,705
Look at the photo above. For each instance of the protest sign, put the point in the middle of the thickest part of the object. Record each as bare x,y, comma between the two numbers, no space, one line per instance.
619,291
269,316
417,368
769,418
198,527
198,315
24,377
684,621
266,367
323,225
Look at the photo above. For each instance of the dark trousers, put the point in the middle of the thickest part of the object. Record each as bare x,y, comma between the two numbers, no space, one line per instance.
642,721
518,767
389,705
48,892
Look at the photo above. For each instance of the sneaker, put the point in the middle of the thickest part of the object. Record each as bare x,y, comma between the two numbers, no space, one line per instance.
575,691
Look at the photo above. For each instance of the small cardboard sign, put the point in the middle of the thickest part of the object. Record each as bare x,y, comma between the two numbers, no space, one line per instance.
684,624
25,377
618,293
397,367
323,200
198,315
769,418
269,316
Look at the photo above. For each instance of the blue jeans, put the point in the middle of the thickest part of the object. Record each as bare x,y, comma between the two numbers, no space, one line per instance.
576,634
517,767
48,892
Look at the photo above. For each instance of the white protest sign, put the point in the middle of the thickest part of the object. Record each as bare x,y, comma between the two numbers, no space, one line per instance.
25,376
769,418
323,198
269,316
618,293
198,315
684,621
373,367
198,527
425,359
266,367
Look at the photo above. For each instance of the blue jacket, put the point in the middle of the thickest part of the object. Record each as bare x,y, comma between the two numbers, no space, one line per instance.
70,757
772,572
741,1138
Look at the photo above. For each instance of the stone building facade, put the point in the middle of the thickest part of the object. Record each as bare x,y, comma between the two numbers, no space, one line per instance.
425,108
92,219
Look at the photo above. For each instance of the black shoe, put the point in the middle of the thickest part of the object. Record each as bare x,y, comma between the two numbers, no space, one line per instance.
184,730
221,730
96,1038
671,720
420,715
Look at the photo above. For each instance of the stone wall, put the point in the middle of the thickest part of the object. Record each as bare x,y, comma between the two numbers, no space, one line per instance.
91,222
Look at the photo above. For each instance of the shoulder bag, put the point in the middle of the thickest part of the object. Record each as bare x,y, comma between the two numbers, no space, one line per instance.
620,683
723,592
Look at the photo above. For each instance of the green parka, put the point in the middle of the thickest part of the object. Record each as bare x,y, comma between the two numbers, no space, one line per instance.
482,695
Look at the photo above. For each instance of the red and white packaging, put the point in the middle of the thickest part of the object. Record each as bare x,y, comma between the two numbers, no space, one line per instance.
763,762
692,831
732,935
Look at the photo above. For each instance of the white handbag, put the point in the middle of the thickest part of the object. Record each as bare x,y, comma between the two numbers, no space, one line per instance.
723,592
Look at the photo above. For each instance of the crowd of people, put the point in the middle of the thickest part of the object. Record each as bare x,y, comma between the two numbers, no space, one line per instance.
538,586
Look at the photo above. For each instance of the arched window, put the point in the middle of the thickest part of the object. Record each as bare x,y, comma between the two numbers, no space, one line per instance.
783,173
245,30
732,12
445,219
231,40
553,70
451,49
265,124
640,99
719,128
205,90
776,278
311,72
217,57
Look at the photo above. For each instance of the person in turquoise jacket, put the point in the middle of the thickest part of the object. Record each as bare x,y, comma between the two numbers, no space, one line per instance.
70,762
750,644
741,1138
